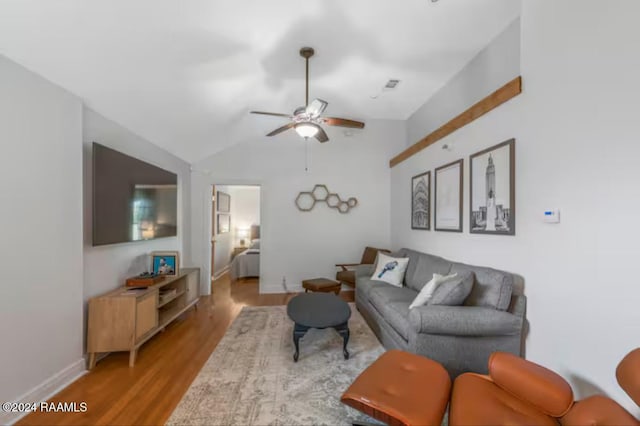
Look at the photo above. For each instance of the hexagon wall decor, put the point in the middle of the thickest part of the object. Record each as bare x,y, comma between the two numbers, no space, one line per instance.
320,192
306,200
333,201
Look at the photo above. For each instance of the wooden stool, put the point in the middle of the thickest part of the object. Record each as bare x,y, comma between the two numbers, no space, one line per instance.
322,285
401,388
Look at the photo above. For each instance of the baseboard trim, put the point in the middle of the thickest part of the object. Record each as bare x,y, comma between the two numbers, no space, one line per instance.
221,273
47,389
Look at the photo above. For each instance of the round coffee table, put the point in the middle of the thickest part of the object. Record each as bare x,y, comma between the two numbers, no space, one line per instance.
319,310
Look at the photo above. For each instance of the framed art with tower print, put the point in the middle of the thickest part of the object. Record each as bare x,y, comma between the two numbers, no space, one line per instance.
421,201
492,194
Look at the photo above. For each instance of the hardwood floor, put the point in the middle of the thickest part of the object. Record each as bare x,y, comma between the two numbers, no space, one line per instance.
147,393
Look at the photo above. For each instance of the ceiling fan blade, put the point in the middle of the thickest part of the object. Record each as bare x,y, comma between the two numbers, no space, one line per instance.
343,122
321,135
316,107
281,129
275,114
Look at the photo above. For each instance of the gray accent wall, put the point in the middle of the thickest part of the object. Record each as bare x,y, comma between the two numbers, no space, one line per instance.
492,68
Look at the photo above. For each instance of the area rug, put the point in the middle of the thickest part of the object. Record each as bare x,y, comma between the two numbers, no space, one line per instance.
251,379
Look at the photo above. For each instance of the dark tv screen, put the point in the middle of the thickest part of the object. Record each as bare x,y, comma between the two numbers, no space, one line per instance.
132,200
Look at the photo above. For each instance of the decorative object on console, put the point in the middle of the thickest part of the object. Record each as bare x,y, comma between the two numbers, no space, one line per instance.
492,196
224,202
224,223
306,119
306,200
165,263
145,279
390,269
448,197
421,201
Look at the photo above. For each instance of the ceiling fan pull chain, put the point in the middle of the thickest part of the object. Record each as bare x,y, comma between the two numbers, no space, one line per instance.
306,154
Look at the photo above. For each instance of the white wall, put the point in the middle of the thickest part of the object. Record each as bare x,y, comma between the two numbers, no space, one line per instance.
245,205
490,69
577,148
106,267
41,251
298,245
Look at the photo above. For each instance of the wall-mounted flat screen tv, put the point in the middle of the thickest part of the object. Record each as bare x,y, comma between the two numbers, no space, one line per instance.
132,200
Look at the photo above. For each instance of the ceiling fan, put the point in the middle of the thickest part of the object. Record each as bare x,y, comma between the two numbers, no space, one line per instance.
306,120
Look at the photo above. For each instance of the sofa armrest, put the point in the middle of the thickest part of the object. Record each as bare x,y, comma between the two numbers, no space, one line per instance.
364,270
464,321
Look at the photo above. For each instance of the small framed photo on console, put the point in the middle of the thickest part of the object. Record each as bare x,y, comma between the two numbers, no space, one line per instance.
165,262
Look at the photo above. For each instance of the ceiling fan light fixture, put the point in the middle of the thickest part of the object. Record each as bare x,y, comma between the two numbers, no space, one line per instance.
306,129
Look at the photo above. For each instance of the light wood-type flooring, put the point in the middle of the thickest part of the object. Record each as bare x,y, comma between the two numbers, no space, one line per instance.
147,393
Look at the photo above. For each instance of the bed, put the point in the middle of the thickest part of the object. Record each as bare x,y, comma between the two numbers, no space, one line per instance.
247,263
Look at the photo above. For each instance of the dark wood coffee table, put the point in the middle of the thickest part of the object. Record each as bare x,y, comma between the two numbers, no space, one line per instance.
319,310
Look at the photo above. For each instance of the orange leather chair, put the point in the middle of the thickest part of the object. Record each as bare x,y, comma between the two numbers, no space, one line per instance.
520,392
401,389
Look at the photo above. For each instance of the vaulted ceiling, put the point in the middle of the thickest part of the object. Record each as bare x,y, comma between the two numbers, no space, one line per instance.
185,73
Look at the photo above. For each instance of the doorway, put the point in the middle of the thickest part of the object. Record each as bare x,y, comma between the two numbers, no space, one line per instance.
235,234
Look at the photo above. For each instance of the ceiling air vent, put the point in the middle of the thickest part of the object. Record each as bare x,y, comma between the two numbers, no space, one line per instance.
391,84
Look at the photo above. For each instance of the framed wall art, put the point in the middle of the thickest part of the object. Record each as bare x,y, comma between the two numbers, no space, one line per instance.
224,202
448,197
421,201
493,192
165,262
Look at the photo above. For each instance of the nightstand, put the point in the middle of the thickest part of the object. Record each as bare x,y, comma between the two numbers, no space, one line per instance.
237,251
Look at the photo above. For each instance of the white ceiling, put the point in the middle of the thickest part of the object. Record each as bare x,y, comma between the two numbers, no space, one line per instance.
185,73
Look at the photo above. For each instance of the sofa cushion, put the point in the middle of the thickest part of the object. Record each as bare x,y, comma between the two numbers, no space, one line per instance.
364,286
453,292
380,295
491,288
393,303
397,315
421,268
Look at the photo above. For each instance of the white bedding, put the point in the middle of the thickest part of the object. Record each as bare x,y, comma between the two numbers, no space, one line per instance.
246,264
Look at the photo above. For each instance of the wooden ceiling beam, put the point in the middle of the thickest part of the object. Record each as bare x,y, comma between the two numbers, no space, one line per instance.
494,100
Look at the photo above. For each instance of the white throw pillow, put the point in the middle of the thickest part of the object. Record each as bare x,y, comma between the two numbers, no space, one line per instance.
429,289
390,269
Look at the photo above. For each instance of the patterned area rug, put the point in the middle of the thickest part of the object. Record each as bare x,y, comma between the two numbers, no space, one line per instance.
251,379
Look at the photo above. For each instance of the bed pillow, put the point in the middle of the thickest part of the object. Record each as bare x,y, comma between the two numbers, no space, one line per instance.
429,289
390,269
255,244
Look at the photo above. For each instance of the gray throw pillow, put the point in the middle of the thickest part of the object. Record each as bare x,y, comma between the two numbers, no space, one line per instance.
455,291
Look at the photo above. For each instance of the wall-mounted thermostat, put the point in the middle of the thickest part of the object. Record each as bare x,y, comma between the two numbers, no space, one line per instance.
551,216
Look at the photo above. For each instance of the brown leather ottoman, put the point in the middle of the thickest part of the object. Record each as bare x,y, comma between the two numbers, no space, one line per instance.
323,285
401,388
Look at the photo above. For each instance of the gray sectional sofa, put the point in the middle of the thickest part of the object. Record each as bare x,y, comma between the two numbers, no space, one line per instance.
459,337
